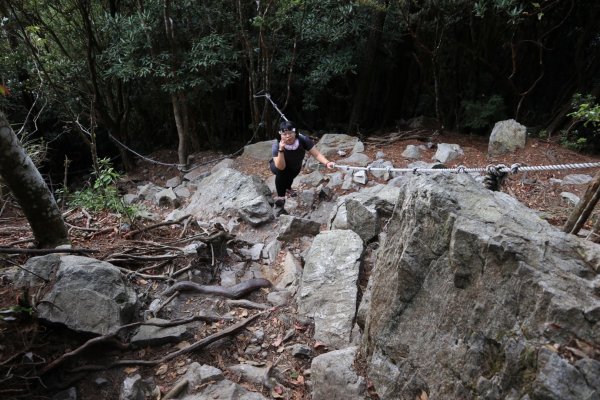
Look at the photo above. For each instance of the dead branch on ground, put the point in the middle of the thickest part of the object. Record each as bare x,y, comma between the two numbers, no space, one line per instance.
17,250
195,346
154,226
113,337
415,134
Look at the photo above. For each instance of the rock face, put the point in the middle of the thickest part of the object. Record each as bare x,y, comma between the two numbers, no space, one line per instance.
475,297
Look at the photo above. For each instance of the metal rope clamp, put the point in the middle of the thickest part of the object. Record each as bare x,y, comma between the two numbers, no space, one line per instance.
494,176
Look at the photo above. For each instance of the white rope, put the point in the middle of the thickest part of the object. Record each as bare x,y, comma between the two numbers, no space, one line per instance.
515,168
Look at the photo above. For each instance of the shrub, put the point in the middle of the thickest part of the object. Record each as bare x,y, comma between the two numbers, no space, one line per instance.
103,195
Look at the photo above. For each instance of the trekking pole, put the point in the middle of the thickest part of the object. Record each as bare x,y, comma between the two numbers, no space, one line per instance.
268,96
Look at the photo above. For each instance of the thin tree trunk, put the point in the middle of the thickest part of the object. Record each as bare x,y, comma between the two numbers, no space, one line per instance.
179,108
595,235
585,207
27,185
178,99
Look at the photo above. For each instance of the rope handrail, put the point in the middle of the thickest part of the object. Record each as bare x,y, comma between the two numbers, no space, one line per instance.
514,168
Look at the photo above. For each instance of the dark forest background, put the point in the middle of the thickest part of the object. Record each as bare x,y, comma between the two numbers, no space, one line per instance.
186,74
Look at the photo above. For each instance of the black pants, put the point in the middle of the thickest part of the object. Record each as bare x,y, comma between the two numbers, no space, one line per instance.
283,178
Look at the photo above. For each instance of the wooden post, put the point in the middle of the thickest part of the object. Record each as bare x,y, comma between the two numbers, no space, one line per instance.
584,208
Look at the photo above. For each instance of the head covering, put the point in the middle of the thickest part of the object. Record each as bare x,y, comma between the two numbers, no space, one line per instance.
287,126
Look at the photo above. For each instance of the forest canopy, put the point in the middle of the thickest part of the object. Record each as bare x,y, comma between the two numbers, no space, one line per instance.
185,74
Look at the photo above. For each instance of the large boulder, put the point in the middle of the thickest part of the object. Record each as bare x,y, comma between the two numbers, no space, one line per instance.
260,150
332,143
84,294
329,287
506,137
228,191
474,296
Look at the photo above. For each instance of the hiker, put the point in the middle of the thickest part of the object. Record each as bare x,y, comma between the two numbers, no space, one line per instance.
288,154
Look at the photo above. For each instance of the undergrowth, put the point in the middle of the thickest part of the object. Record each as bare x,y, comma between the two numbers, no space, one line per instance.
102,195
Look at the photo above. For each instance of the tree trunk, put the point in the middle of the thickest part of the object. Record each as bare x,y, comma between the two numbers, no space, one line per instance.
368,68
585,207
27,185
180,114
178,99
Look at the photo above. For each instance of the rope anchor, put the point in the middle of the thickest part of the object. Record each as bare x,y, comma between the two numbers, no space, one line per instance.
494,176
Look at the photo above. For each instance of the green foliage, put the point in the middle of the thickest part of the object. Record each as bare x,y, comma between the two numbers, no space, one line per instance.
102,195
585,128
573,142
8,314
586,111
481,114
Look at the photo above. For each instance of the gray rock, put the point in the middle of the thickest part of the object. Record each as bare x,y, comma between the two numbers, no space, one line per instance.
381,198
225,390
82,284
334,377
300,350
449,244
173,182
196,175
506,137
313,179
360,177
355,159
557,379
280,298
362,219
412,151
359,147
230,191
331,143
228,278
577,179
225,163
149,335
348,182
182,192
198,375
570,197
291,227
166,198
249,373
328,292
260,150
292,271
136,388
253,252
447,152
148,191
130,198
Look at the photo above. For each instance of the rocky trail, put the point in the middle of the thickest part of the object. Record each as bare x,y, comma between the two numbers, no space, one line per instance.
221,287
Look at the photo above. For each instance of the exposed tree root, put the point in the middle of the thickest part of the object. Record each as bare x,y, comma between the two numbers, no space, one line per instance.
232,292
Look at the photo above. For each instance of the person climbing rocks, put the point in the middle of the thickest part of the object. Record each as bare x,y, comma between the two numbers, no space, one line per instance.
288,153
